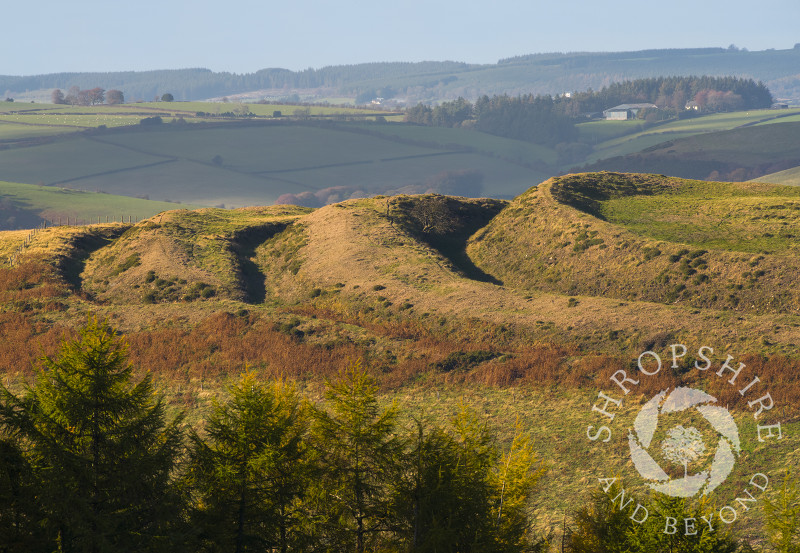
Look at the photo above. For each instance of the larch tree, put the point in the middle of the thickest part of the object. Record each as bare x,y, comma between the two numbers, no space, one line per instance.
359,456
460,494
514,478
782,515
249,469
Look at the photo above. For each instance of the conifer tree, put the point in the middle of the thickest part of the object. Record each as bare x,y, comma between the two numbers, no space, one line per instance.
100,447
461,495
782,516
19,512
602,526
607,526
250,470
359,455
513,479
446,497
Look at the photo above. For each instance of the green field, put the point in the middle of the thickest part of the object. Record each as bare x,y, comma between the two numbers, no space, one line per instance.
748,145
722,216
26,202
9,109
82,120
738,154
21,121
596,132
616,138
789,176
634,143
788,119
517,150
192,183
267,149
254,163
263,110
187,108
60,161
15,131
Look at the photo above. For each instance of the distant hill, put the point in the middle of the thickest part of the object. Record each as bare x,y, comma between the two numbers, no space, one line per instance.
789,176
553,73
256,162
328,154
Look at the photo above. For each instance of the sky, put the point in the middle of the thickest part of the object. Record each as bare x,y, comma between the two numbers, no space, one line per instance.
244,36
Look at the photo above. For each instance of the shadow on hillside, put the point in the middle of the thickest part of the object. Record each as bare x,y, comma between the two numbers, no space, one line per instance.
445,223
244,246
456,252
71,266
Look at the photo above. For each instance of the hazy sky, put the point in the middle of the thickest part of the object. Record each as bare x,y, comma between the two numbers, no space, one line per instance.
244,36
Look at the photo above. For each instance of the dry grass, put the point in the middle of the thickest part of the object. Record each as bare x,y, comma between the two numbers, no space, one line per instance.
541,243
178,253
379,288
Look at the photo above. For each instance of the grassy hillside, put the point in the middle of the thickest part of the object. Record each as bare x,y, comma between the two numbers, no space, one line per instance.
617,138
519,309
186,255
383,258
516,150
659,239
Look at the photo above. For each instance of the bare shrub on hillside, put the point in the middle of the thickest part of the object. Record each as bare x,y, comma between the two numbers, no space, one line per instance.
224,342
25,340
433,215
543,365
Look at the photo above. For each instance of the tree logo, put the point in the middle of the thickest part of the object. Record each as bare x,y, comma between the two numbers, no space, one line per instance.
681,445
682,442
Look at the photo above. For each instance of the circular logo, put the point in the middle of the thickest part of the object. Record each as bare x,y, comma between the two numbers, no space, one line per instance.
683,445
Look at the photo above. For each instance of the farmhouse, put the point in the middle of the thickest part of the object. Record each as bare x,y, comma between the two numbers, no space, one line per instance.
623,112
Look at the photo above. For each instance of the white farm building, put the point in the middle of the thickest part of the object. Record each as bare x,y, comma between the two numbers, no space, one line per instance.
623,112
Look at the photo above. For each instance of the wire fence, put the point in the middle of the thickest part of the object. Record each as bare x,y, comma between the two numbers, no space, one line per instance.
64,222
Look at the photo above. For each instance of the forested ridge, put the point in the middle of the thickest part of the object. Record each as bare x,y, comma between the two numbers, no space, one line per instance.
433,81
198,83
